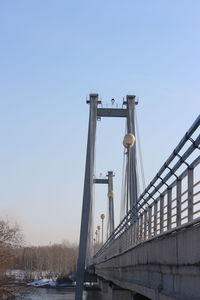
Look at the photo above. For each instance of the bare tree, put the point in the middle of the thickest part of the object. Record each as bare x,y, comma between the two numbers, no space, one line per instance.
10,239
10,235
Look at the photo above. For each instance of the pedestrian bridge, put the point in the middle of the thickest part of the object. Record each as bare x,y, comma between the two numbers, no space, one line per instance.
154,253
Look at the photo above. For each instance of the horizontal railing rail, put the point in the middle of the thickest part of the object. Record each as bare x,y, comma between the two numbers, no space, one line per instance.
166,204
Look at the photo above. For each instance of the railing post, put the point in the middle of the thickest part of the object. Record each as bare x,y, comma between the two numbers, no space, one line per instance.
169,209
178,202
149,221
155,217
161,212
137,230
141,226
190,193
126,239
129,236
145,225
134,233
118,242
124,234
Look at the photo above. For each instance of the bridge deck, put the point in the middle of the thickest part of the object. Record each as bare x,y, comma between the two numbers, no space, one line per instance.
166,267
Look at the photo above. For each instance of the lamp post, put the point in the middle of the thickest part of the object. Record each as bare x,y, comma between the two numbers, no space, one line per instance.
96,240
98,228
102,220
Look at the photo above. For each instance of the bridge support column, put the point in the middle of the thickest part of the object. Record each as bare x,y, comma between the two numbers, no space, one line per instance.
104,285
113,292
117,293
140,297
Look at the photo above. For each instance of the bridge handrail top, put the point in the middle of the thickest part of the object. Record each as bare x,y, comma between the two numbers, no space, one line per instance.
172,156
174,169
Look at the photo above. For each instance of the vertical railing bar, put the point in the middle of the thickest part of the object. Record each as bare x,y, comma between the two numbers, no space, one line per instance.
125,240
141,229
120,237
149,221
190,193
145,225
161,212
132,233
137,231
155,217
129,237
118,240
178,195
169,208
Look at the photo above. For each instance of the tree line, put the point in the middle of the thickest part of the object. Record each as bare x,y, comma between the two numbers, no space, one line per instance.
54,260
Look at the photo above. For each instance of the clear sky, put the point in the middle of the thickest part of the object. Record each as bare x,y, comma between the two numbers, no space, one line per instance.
52,55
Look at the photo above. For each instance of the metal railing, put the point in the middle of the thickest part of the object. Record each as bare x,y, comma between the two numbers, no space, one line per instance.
167,204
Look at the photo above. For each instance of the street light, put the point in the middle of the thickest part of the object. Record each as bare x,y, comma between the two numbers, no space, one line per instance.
98,228
129,140
96,234
102,220
94,242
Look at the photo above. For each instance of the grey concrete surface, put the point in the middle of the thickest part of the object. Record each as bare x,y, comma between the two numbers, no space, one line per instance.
165,268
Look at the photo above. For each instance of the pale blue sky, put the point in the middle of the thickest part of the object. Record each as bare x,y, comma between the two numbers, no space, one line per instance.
52,55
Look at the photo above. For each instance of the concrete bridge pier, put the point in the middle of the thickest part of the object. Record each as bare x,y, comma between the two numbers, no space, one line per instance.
111,291
104,285
140,297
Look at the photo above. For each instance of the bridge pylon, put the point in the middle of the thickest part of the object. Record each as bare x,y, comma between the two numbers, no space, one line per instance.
87,196
96,112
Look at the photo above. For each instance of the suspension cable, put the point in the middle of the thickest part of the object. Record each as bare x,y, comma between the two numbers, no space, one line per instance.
140,153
